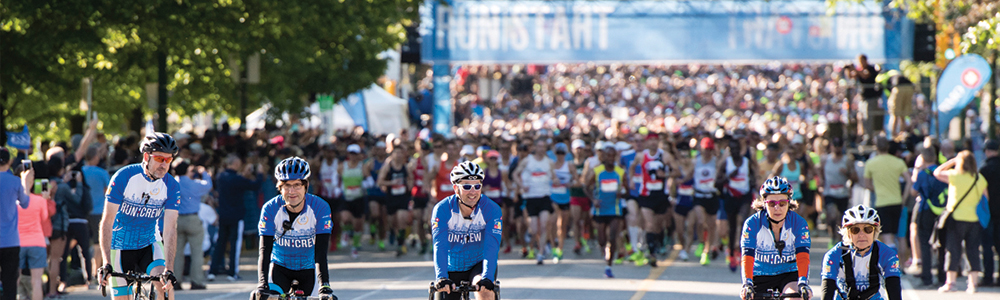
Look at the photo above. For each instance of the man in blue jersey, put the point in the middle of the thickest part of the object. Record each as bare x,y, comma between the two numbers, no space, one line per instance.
294,235
466,229
606,185
139,195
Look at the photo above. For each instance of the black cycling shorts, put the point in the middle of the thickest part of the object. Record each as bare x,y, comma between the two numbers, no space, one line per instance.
469,275
761,284
281,278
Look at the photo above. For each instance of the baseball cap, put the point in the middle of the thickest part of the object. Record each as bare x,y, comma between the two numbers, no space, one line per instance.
578,143
492,154
560,147
353,148
467,149
608,146
707,143
622,146
652,136
992,144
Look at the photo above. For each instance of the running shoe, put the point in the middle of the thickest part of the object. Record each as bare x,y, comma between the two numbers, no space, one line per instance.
524,252
733,264
381,245
638,258
700,248
354,252
704,259
557,254
607,273
683,255
586,247
507,249
540,259
401,251
652,260
531,253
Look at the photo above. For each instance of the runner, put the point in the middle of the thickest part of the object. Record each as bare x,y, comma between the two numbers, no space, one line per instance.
652,198
564,171
606,185
736,197
683,185
706,201
633,216
376,196
838,172
536,178
352,209
419,166
329,188
578,200
393,179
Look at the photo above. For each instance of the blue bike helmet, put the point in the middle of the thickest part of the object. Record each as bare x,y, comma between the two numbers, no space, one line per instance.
775,185
292,168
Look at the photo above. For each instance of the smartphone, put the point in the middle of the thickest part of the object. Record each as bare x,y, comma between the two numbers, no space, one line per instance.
45,185
26,163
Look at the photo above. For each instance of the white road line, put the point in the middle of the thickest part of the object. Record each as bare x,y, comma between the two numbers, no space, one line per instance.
369,294
230,295
908,289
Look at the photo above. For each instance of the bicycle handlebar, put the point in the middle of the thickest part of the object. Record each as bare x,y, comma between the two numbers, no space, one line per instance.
775,296
129,277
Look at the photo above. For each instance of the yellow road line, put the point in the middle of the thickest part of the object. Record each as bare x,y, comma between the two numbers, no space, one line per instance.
654,273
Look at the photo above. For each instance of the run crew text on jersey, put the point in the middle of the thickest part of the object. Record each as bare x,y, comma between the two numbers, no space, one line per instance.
758,241
293,244
142,201
460,243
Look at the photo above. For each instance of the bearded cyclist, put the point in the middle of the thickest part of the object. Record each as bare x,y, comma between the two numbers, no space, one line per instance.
294,235
775,244
466,229
138,197
848,269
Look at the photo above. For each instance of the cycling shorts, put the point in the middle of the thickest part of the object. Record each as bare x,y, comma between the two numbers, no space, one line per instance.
140,261
280,279
469,275
763,283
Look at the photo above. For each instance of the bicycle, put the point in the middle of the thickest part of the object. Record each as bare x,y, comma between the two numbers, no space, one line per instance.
775,295
463,288
136,281
294,293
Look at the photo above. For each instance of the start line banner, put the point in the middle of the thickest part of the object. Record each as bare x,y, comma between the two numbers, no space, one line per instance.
493,31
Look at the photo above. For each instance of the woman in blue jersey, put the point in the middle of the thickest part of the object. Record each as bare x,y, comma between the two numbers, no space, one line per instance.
294,233
466,229
775,244
848,271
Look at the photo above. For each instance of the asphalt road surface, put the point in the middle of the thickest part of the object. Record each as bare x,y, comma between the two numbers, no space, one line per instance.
381,275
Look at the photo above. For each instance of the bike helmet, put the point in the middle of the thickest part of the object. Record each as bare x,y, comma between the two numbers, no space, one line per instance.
466,171
861,215
158,142
292,168
775,185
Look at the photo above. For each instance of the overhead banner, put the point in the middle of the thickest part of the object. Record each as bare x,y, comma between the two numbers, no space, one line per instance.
959,83
493,31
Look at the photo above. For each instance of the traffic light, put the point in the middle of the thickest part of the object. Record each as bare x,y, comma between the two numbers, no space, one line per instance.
924,42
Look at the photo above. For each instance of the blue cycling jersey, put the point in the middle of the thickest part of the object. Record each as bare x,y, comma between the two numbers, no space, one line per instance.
295,248
888,263
142,202
758,241
461,243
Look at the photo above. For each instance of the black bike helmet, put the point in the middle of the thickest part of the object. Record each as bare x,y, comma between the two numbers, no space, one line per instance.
158,142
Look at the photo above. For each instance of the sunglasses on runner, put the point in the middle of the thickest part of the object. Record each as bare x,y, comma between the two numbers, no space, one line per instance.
777,203
857,229
469,187
161,159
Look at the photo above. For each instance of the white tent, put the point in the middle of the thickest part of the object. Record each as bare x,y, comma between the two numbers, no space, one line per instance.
384,112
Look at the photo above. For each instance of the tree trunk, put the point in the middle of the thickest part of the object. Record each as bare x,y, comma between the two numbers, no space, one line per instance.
161,113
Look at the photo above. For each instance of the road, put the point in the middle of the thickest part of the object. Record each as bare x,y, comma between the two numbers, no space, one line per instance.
381,275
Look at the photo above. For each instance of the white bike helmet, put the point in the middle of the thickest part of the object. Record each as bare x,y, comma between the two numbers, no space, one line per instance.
861,215
467,171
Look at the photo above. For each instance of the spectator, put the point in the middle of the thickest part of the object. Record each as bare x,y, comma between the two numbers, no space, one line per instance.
97,180
932,195
32,256
991,235
12,194
195,183
900,102
881,175
231,187
77,229
965,186
60,220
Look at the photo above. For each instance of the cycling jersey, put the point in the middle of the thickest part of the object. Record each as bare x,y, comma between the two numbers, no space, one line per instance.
142,202
293,247
758,241
606,192
460,243
833,268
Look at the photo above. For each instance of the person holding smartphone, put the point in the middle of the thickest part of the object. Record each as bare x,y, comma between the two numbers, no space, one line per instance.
13,193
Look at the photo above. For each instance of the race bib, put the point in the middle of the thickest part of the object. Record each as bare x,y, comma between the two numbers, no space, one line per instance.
447,188
398,190
654,185
493,193
559,190
609,186
539,177
837,189
685,190
353,192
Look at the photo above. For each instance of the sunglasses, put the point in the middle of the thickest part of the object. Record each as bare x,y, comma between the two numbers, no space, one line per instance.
777,203
293,186
469,187
857,229
161,159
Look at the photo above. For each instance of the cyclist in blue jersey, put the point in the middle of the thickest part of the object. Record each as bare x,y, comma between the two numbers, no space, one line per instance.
294,233
775,244
848,269
138,196
466,229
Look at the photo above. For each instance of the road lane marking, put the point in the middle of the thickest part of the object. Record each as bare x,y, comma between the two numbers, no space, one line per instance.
383,287
908,288
654,274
